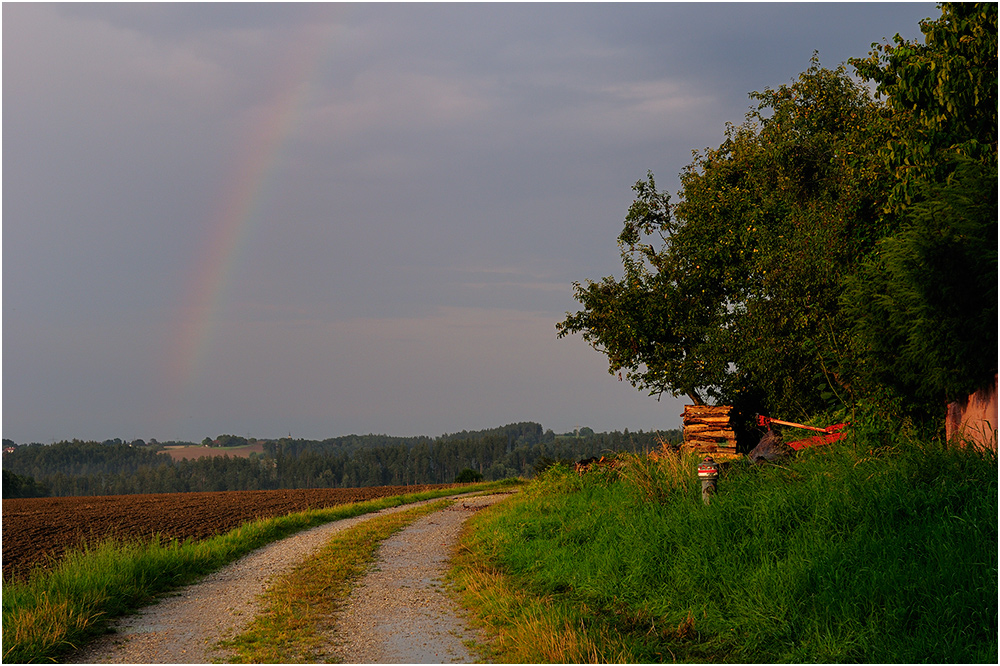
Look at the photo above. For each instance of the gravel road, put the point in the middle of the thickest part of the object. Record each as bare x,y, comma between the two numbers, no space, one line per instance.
397,613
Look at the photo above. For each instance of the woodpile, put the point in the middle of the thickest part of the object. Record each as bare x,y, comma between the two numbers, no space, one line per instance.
707,430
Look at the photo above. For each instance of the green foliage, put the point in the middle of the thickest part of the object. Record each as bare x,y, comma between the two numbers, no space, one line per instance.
468,476
882,549
15,485
740,302
545,463
78,458
925,307
834,252
943,94
89,468
228,440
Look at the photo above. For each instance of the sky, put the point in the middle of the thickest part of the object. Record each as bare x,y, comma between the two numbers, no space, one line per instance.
314,220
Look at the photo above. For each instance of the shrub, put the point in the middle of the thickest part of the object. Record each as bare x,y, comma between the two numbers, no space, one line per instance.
468,476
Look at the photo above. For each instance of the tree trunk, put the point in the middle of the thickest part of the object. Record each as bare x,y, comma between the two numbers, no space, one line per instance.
695,398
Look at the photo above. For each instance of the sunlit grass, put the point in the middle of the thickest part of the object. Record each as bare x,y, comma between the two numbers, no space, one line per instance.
879,550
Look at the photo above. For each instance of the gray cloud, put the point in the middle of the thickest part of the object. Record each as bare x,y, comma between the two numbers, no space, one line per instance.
421,183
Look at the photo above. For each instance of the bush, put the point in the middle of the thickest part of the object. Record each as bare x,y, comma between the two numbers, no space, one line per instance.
468,476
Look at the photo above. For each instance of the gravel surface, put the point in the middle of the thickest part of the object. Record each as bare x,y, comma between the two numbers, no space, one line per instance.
399,612
183,628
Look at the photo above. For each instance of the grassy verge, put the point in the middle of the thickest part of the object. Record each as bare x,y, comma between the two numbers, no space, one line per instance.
299,607
56,611
883,549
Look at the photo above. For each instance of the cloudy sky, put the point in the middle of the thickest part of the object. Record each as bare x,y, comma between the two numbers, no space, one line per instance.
317,220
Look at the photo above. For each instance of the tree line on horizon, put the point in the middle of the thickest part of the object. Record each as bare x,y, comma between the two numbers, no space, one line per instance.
79,468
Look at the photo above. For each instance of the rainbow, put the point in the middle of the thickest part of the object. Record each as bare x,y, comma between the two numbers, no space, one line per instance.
235,213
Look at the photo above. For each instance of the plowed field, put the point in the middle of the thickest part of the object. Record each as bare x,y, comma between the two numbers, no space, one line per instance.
37,531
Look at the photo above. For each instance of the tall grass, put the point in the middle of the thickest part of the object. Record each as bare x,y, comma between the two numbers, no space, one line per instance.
882,549
55,611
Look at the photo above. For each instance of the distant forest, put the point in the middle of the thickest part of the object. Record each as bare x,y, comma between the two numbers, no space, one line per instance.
113,467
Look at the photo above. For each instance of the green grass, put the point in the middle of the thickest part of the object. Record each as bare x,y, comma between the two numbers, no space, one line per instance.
883,549
56,611
300,606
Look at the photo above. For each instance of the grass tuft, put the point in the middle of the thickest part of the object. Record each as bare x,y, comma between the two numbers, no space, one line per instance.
655,479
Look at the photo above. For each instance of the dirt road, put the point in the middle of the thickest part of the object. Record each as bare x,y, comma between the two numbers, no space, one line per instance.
397,613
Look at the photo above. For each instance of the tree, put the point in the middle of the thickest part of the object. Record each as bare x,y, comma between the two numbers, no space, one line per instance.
468,476
15,485
740,303
224,441
924,308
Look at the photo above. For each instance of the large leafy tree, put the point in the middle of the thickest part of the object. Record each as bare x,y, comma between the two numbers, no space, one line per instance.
924,305
733,293
831,248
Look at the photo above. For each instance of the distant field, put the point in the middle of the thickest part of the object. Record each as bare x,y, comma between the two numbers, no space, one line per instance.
192,452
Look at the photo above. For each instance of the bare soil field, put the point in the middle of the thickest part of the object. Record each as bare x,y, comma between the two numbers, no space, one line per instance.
38,531
195,452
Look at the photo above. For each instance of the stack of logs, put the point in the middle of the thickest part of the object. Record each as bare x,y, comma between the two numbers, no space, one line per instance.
707,430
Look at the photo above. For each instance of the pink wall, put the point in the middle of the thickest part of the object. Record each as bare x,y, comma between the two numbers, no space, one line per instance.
975,419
